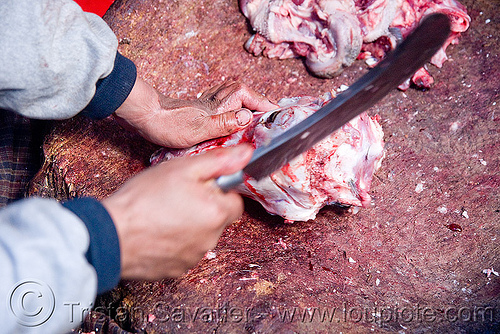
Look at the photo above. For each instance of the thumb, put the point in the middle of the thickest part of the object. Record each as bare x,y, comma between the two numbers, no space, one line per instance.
221,161
226,123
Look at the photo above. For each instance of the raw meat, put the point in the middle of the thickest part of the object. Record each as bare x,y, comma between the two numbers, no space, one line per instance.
331,34
338,169
327,33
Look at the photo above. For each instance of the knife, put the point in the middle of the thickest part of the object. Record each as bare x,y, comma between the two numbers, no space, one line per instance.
416,50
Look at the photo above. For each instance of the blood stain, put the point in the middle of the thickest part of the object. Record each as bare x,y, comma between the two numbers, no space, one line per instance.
454,227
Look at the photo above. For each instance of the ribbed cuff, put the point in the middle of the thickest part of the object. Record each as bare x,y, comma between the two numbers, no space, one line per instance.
113,90
104,248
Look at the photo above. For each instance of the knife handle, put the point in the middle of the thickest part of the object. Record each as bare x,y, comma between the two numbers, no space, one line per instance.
228,182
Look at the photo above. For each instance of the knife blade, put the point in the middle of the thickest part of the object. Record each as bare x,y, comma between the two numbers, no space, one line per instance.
417,49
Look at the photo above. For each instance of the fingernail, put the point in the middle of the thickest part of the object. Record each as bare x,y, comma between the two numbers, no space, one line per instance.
243,116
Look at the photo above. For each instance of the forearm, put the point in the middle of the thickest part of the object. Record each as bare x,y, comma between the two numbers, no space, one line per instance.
45,250
53,55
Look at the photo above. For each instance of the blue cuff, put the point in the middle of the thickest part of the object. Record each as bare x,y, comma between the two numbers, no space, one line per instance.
104,248
113,90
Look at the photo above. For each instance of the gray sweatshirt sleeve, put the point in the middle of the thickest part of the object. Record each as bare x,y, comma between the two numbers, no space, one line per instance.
56,61
46,283
52,58
54,259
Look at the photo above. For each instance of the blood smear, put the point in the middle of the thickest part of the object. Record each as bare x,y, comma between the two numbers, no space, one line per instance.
454,227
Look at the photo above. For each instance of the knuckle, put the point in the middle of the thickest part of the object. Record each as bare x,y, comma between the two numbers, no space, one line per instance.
241,88
225,123
240,207
222,213
217,215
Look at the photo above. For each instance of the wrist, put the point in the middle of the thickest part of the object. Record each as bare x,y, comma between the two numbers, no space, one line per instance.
119,208
113,90
140,105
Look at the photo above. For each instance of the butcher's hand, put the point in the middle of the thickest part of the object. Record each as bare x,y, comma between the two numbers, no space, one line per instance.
176,123
169,215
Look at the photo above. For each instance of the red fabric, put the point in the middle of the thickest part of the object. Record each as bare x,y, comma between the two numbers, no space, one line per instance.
98,7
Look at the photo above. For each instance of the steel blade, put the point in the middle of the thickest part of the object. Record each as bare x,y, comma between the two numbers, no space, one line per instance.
417,49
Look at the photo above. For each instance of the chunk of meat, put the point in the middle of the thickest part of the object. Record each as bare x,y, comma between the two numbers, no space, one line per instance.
339,169
326,33
375,17
411,12
331,33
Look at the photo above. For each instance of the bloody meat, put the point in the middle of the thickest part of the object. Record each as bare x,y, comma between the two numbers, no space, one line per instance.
339,169
331,34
